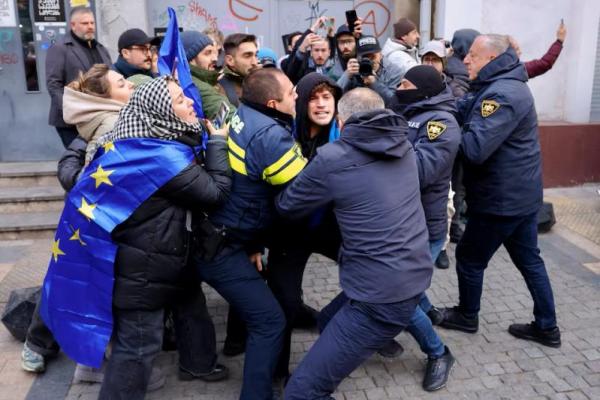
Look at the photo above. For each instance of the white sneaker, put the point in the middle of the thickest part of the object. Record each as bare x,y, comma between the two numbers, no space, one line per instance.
32,361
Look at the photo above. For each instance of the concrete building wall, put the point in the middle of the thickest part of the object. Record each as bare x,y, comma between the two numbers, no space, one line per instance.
563,93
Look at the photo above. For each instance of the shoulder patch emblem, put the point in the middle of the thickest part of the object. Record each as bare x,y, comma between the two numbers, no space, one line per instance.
435,129
488,107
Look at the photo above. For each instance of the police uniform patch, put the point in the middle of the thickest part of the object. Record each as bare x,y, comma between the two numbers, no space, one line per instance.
435,129
488,107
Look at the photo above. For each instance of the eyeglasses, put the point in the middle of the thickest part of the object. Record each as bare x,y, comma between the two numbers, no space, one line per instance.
145,49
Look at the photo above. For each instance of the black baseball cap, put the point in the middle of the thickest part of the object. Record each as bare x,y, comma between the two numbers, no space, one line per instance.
367,45
136,37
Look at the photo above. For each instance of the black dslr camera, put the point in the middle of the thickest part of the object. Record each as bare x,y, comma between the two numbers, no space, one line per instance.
365,67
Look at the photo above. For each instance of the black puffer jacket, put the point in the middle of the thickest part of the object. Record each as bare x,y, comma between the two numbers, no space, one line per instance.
150,266
71,163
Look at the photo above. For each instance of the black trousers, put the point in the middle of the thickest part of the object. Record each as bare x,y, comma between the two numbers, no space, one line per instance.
289,252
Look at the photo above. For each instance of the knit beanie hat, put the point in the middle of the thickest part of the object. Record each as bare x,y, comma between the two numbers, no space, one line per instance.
403,27
194,42
427,80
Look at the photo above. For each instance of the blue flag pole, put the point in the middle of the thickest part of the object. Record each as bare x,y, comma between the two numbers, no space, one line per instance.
172,59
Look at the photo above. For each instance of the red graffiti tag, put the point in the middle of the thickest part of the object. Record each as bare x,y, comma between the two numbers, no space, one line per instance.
379,27
200,11
8,58
246,5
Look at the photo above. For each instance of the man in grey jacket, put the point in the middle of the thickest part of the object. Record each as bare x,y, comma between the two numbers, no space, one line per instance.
76,53
401,50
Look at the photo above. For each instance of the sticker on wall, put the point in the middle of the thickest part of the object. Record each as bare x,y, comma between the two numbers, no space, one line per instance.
48,11
79,3
7,14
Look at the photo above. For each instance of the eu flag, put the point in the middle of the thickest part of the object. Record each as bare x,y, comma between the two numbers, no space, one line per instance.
76,301
171,58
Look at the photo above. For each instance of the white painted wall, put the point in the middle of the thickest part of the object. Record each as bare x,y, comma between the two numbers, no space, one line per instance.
563,93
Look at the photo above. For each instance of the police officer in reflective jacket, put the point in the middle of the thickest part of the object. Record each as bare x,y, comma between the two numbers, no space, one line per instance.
503,180
264,157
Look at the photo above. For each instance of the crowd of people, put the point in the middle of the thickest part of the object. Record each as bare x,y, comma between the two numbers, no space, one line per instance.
371,156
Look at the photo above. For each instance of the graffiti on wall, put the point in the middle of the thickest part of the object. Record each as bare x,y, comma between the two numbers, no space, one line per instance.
374,14
8,54
196,9
244,10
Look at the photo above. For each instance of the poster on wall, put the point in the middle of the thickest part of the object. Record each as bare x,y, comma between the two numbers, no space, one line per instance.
7,14
48,11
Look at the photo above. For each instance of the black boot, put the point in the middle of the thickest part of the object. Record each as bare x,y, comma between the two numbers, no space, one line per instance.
547,337
437,371
306,317
442,261
456,232
219,373
435,315
454,319
392,349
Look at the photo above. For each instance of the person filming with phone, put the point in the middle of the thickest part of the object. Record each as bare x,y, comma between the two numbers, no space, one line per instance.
370,70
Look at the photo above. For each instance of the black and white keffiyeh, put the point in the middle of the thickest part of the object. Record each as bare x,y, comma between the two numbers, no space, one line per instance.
148,114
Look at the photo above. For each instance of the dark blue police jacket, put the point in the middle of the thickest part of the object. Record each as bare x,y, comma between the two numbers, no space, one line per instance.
370,178
264,157
503,171
435,136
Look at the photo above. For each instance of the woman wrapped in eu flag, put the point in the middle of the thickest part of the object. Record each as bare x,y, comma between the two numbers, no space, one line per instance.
150,267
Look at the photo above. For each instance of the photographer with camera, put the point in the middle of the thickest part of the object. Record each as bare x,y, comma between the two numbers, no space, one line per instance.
369,70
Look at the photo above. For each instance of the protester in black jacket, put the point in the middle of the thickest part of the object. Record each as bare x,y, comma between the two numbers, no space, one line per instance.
154,242
292,243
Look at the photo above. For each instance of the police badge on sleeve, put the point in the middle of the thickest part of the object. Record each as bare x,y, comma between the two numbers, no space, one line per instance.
488,107
435,129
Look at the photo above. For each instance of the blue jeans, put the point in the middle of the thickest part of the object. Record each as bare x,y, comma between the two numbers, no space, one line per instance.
236,279
435,247
356,331
483,236
420,327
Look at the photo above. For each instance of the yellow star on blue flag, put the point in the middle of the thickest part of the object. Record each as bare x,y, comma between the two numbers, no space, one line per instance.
76,300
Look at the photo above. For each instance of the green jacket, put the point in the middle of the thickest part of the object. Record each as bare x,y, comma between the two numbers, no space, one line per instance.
206,82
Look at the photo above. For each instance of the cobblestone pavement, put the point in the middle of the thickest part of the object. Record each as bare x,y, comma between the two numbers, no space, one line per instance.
491,363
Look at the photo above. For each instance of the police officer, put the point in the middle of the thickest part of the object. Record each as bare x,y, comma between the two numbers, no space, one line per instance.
503,178
263,157
427,104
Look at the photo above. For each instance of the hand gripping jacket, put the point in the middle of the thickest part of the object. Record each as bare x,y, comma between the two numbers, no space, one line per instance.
264,157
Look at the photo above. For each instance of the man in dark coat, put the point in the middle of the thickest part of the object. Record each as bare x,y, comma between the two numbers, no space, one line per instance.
76,53
240,58
503,178
370,178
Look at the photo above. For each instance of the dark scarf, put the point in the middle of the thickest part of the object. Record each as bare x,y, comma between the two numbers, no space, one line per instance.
128,70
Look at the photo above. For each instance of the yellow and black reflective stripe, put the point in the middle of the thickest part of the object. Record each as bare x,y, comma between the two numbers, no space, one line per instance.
236,157
286,168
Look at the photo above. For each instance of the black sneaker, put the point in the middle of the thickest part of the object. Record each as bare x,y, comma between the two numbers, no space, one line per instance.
547,337
454,319
437,371
435,315
392,350
233,348
219,373
442,261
